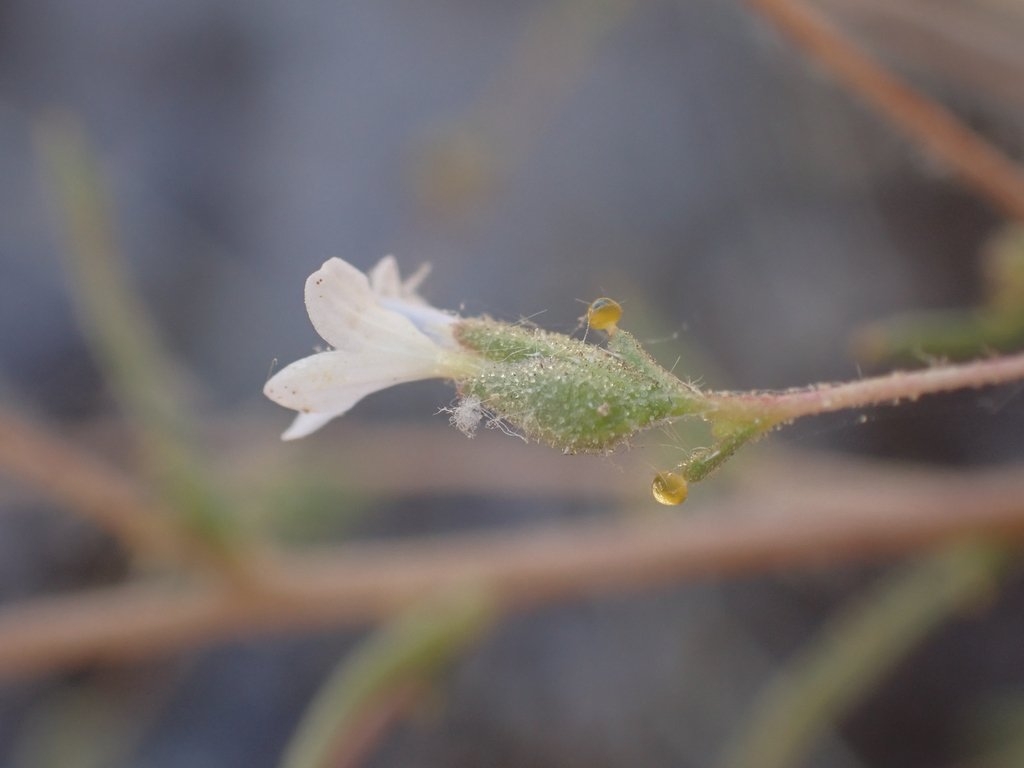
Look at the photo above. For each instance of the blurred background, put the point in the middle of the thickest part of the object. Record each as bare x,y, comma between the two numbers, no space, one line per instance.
681,157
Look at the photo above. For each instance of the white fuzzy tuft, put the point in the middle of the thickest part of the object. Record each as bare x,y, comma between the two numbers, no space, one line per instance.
466,415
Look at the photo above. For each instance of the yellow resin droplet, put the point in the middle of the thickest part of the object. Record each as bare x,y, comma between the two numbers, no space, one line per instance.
603,314
669,488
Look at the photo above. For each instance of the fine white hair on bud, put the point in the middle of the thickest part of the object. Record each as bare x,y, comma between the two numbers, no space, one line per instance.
382,334
466,415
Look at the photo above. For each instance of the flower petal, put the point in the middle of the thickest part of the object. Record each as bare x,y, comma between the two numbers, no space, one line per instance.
306,424
328,384
345,312
320,382
434,323
383,334
386,281
400,296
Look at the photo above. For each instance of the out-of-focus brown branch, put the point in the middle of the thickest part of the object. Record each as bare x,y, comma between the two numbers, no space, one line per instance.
972,45
988,170
98,493
434,459
783,524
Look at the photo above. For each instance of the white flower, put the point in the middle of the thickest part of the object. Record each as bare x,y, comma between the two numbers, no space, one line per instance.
382,333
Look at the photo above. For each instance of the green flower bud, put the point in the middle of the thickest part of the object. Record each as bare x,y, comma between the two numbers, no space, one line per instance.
574,396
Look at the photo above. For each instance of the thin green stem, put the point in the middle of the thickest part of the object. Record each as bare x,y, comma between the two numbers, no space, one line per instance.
703,462
118,328
954,335
402,657
858,648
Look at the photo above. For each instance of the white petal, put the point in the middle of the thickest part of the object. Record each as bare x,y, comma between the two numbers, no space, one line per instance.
432,322
385,279
383,334
306,424
345,312
412,283
335,381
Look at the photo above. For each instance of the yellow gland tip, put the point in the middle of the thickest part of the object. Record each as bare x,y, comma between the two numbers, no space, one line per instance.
604,314
669,488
